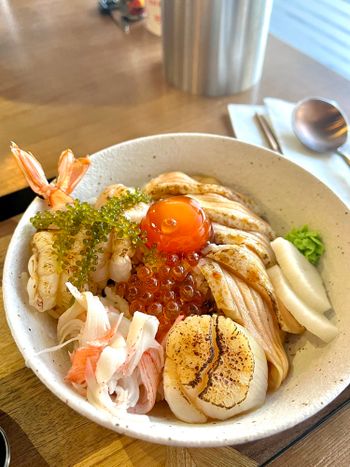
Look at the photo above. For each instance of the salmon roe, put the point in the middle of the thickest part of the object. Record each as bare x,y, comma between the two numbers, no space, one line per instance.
176,225
165,291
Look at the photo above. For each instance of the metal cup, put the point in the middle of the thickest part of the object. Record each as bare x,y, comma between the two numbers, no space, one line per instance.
214,47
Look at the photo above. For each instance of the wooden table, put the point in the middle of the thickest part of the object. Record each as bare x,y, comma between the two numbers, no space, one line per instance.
70,77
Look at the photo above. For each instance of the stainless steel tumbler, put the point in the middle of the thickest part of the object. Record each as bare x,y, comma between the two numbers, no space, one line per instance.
214,47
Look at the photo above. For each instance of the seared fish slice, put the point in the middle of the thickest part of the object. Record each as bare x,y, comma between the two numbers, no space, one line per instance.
214,368
258,319
246,265
290,324
244,305
258,243
233,214
178,183
216,279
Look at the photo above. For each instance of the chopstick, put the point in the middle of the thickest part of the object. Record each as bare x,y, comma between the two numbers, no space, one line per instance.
268,133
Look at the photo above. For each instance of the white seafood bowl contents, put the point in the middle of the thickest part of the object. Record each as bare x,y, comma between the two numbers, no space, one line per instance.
289,197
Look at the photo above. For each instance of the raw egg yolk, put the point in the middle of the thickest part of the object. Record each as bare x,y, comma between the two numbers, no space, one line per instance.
176,225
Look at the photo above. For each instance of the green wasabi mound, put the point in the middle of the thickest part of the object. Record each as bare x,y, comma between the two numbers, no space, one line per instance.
308,242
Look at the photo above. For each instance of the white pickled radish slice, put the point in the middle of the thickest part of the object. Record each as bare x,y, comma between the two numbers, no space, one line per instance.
181,407
301,274
313,321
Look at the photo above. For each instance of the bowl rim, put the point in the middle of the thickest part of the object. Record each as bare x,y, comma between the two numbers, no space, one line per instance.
83,407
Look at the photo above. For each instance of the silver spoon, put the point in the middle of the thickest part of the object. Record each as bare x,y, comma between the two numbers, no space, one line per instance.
321,126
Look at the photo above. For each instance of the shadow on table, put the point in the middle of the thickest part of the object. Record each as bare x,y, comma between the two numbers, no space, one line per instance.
23,451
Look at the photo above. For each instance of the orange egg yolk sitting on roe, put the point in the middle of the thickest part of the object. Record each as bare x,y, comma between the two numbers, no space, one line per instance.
176,225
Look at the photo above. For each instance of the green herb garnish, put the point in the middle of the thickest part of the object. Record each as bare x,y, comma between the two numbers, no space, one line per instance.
308,242
82,226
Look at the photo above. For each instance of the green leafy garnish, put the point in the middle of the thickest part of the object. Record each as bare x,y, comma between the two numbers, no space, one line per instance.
308,242
80,229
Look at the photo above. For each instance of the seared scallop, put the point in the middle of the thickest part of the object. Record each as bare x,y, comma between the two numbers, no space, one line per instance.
215,367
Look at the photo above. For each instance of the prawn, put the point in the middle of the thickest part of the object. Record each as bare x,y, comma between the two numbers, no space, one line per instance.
70,172
115,260
46,285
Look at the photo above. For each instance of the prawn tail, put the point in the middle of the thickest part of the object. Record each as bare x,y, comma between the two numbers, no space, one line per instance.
70,170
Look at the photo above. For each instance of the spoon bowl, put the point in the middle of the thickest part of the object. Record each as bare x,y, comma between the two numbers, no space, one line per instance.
319,124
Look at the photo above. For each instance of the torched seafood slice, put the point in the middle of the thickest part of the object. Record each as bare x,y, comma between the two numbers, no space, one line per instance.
191,345
46,285
258,243
232,213
134,214
238,380
261,323
289,323
216,369
176,398
111,191
216,279
43,283
178,183
244,305
246,265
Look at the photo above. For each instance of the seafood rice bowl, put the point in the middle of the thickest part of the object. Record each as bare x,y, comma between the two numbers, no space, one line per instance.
182,288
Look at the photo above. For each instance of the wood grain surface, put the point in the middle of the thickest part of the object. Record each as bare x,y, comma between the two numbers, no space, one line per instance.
70,77
45,432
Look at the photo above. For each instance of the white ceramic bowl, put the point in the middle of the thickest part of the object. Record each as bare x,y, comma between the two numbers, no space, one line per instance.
290,197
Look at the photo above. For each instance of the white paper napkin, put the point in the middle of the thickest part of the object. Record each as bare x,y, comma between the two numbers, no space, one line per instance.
329,167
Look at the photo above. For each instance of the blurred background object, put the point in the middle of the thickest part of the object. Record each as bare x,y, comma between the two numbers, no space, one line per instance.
153,16
128,10
318,28
214,48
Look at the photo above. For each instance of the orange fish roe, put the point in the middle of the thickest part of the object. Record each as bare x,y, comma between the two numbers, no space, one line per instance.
165,291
